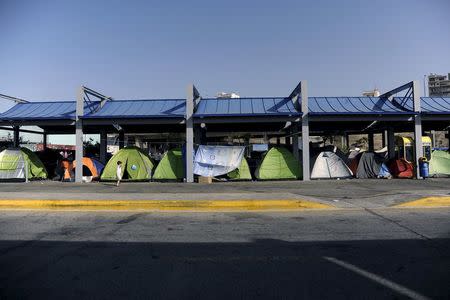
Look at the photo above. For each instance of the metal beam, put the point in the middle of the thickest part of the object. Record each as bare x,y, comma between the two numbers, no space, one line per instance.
139,121
16,138
295,94
356,118
418,148
390,142
295,141
103,145
247,119
191,95
14,99
22,130
103,98
44,140
305,130
57,123
371,142
397,90
121,139
79,135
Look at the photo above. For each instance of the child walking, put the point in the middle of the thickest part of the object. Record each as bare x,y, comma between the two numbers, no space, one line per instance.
119,172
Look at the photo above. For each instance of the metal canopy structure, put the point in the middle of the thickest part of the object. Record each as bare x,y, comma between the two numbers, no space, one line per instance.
387,113
40,113
138,112
345,106
246,107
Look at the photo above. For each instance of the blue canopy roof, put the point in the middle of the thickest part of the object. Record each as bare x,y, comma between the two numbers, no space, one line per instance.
429,105
61,110
241,107
134,109
354,106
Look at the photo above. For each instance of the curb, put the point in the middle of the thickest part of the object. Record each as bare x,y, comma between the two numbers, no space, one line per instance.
435,201
164,205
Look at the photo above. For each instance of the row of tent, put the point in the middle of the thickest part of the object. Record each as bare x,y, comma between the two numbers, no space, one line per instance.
276,164
334,164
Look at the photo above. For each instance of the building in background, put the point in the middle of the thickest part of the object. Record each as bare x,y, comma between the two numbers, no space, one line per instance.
373,93
224,95
438,85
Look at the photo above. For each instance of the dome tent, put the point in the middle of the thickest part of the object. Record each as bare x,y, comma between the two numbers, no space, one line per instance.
278,163
136,165
370,164
14,160
328,165
241,173
92,168
401,168
171,166
440,163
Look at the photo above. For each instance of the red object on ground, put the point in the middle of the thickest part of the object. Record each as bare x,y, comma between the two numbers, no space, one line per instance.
401,168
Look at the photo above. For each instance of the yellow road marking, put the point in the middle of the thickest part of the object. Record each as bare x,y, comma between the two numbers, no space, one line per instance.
165,205
438,201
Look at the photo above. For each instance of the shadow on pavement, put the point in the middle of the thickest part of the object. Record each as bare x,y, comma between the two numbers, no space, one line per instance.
263,269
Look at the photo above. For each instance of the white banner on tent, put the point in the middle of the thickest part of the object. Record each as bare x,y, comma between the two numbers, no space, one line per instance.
213,161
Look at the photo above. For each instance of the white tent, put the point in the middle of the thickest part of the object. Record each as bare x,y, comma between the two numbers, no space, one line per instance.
12,164
328,165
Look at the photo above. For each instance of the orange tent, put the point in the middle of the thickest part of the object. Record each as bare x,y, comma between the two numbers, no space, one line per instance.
89,164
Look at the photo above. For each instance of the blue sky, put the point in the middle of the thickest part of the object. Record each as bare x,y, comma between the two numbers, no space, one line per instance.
153,49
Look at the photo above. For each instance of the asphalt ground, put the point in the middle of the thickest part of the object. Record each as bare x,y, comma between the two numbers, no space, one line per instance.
355,193
339,254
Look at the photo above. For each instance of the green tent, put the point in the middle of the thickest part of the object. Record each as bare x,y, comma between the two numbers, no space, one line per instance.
171,166
14,161
278,163
136,165
440,163
241,173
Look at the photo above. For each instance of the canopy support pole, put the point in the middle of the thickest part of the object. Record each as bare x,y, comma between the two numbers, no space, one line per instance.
370,138
16,137
295,141
418,148
103,144
44,140
121,139
448,138
305,129
79,135
191,96
390,142
433,138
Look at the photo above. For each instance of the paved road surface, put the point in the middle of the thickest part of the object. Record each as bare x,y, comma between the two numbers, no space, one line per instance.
355,193
348,254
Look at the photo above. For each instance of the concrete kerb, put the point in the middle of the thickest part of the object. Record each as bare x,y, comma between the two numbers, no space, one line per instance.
165,205
357,194
426,202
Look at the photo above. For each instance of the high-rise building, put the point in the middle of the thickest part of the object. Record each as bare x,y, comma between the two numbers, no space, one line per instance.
438,85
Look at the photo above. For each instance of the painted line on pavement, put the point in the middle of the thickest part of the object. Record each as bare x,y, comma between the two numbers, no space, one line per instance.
165,205
435,201
378,279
